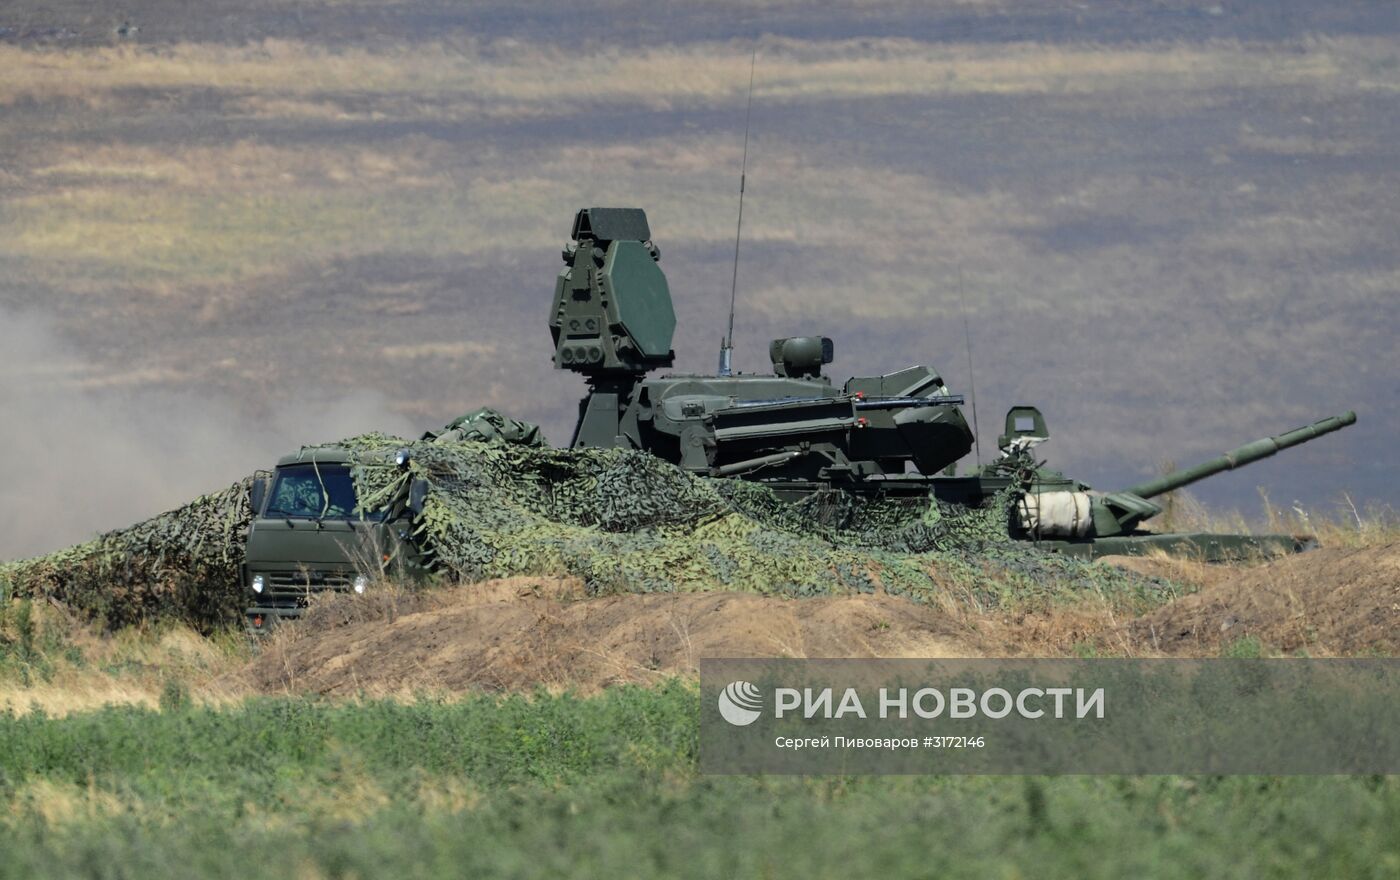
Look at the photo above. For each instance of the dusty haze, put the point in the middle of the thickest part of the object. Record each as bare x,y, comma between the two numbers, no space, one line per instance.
83,453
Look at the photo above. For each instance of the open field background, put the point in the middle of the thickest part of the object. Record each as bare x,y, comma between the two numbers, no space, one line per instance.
229,229
602,787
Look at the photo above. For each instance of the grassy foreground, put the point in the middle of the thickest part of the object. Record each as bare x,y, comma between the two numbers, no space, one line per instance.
608,787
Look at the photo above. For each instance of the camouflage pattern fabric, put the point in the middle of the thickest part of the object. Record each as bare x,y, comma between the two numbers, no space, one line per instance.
621,520
488,425
625,521
182,564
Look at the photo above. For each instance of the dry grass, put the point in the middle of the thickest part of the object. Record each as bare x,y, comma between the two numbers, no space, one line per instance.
1344,524
83,669
357,792
61,803
525,633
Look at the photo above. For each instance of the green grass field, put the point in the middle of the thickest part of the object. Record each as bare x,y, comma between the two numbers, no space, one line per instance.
550,786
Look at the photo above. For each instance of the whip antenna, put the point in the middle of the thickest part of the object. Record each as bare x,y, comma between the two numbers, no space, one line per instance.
726,348
971,380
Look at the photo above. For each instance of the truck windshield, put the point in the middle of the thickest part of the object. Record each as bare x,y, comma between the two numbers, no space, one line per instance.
315,492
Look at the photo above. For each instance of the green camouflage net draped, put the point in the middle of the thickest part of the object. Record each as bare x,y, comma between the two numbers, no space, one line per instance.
182,564
625,521
622,520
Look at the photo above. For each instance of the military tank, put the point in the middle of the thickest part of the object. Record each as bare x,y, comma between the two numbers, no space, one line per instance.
798,432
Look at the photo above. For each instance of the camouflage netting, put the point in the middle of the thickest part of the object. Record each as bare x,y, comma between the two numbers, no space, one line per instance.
621,520
625,521
181,564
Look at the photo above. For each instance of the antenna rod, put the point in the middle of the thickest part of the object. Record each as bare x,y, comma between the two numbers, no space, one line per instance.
971,376
727,346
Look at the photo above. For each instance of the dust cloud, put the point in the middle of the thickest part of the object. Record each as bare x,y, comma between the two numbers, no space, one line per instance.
75,462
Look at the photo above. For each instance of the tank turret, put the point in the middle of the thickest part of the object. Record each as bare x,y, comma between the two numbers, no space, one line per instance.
613,321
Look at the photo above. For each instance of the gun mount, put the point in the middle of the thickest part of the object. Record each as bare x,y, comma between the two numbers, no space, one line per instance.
613,321
1051,507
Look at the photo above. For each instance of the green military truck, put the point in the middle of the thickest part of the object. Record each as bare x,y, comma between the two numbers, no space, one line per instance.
310,532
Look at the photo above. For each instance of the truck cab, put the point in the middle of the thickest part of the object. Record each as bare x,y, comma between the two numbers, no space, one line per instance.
309,535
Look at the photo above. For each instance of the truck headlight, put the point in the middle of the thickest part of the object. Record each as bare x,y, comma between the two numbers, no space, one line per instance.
360,583
258,583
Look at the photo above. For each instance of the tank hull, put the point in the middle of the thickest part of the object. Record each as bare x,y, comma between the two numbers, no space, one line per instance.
1205,546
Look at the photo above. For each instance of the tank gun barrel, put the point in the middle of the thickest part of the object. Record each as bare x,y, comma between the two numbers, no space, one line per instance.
1246,454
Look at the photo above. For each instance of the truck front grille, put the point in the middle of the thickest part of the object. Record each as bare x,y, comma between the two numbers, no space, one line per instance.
293,589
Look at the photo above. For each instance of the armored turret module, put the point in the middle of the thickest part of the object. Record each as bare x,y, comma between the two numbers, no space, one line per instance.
798,432
795,430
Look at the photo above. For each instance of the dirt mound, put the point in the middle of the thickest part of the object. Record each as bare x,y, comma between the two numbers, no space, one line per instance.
519,633
522,632
1328,602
